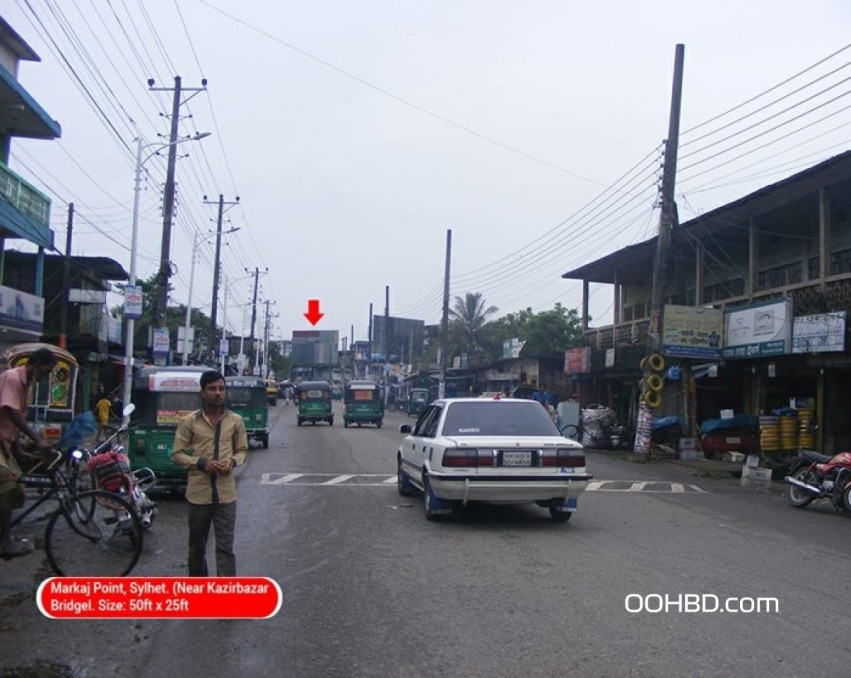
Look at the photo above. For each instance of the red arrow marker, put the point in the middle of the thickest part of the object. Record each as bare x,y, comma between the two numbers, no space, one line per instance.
313,314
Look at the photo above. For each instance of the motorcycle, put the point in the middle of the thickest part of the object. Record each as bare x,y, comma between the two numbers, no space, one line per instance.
109,468
820,476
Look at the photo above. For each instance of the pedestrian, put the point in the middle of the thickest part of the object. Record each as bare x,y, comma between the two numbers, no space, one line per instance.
210,443
14,390
102,410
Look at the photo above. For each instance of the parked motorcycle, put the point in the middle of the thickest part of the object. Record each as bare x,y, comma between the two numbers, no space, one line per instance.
109,468
820,476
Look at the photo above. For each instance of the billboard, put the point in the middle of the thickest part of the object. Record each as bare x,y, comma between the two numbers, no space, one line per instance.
315,347
692,332
758,330
397,339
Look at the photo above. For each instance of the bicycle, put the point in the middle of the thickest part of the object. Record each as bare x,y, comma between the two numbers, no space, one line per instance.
92,533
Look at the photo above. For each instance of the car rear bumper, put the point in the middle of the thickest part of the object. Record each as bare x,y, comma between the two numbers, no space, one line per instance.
509,489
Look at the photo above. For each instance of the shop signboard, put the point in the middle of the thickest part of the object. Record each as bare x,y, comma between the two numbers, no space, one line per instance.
21,311
577,360
692,332
763,329
819,333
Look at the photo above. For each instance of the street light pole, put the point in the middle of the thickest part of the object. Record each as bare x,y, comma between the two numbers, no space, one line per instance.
196,242
131,320
186,326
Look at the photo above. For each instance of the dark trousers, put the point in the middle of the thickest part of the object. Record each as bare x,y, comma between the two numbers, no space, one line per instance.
223,517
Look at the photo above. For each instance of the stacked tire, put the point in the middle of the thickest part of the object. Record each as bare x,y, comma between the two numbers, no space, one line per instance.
654,382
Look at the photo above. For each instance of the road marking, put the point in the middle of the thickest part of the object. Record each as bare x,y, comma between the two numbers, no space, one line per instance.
266,478
372,480
338,480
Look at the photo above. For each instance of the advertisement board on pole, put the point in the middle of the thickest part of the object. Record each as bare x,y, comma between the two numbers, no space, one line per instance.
161,341
133,302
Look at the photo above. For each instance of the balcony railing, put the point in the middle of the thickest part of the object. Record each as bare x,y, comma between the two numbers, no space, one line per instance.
24,197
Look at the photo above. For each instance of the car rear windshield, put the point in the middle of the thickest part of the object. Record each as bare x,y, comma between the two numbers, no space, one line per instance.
493,418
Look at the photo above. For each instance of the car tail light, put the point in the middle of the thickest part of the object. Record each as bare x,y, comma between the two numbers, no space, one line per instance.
565,456
458,458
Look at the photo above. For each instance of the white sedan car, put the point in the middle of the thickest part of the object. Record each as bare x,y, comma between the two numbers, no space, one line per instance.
498,451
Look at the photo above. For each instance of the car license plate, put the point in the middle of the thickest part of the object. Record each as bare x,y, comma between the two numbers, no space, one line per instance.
517,458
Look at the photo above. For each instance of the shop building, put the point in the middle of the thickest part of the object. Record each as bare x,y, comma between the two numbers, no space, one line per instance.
776,267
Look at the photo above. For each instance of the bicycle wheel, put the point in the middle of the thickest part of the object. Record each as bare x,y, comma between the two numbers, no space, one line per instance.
93,534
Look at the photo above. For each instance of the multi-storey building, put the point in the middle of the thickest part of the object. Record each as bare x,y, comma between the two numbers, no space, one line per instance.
777,266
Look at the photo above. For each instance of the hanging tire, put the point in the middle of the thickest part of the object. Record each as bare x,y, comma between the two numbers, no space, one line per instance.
656,362
642,364
655,383
652,399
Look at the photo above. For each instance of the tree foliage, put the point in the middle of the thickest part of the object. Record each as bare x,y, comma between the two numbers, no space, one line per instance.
547,334
469,315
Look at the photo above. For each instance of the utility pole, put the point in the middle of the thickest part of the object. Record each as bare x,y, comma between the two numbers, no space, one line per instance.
217,263
161,299
370,332
667,223
266,332
66,280
444,323
254,317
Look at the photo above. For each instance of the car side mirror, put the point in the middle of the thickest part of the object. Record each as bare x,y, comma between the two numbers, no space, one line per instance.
405,428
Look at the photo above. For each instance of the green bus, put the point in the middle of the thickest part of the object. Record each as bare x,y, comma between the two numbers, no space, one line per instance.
363,404
247,396
313,402
162,396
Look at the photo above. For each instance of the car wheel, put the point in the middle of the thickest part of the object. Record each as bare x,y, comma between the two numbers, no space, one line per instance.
345,423
299,422
265,441
557,515
403,483
430,502
378,424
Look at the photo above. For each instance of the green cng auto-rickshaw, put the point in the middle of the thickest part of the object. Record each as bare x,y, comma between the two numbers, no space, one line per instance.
313,402
418,401
247,396
162,396
363,404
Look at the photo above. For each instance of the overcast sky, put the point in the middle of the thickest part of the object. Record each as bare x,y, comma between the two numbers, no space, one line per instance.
357,133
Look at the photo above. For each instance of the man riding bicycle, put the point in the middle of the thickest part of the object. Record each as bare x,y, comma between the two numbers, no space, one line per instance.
14,388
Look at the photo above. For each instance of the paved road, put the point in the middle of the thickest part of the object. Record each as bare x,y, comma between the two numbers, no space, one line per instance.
373,589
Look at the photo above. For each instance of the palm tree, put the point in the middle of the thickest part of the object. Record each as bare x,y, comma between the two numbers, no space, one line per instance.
469,316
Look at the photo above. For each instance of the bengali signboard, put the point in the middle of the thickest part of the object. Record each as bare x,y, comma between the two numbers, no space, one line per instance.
132,302
162,342
692,332
758,330
577,360
819,333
